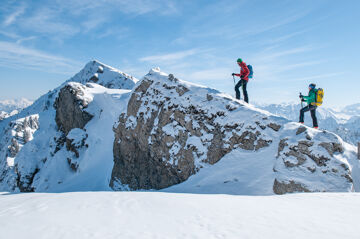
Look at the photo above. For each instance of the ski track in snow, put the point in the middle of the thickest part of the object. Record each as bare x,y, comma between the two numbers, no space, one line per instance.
171,215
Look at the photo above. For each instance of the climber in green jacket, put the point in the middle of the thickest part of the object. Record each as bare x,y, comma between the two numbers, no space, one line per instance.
310,100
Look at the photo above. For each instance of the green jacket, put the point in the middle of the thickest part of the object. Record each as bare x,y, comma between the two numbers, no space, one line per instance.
311,97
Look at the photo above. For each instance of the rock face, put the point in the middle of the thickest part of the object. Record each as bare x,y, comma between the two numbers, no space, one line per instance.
304,161
169,132
70,108
18,133
173,129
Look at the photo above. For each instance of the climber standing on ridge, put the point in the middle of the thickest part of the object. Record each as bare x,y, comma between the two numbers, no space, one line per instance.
310,100
244,74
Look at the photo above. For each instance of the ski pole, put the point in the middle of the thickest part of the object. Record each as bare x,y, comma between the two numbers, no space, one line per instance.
234,84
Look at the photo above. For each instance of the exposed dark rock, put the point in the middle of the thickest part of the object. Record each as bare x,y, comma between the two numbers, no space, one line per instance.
274,126
73,164
70,107
14,148
147,157
24,182
332,148
74,146
282,145
300,130
94,79
288,187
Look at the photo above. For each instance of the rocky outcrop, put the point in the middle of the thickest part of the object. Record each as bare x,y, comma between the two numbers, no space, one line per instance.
288,187
18,133
70,108
303,164
168,134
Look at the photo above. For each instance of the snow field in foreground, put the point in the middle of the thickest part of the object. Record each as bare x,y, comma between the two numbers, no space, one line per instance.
171,215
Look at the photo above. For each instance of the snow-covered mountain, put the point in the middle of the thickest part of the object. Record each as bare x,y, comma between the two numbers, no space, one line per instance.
345,122
105,130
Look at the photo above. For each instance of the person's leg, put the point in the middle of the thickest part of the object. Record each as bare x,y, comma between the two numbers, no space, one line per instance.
246,98
302,111
313,115
237,86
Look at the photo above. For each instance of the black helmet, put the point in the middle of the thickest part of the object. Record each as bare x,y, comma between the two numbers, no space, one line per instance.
312,86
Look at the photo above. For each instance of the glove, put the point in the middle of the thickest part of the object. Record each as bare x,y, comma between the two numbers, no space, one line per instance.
233,74
303,100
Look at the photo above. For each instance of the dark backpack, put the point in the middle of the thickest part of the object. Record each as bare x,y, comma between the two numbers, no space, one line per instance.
251,71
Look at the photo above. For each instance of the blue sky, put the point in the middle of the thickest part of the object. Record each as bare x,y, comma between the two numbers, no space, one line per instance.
289,43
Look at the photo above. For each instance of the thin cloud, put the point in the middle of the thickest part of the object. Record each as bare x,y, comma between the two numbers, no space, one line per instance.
12,17
9,34
315,77
169,57
17,56
21,40
46,21
264,56
210,74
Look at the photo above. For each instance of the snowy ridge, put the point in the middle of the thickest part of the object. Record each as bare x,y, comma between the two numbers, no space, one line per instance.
344,122
107,76
33,155
105,130
168,118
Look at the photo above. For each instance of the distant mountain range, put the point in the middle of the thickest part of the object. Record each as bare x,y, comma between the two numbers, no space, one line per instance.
12,107
344,122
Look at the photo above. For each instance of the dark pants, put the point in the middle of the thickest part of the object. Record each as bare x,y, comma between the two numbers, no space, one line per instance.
242,83
312,109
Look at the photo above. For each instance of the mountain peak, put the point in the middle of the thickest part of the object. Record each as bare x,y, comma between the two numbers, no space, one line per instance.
102,74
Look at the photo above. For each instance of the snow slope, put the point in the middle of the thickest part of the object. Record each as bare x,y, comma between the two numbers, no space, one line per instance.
168,215
44,151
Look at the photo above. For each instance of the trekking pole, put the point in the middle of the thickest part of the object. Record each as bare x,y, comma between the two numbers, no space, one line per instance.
300,95
234,84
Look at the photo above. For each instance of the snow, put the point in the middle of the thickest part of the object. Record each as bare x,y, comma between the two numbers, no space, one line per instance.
95,160
174,215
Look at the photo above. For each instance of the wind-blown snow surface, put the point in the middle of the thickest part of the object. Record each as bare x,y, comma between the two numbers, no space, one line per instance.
166,215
